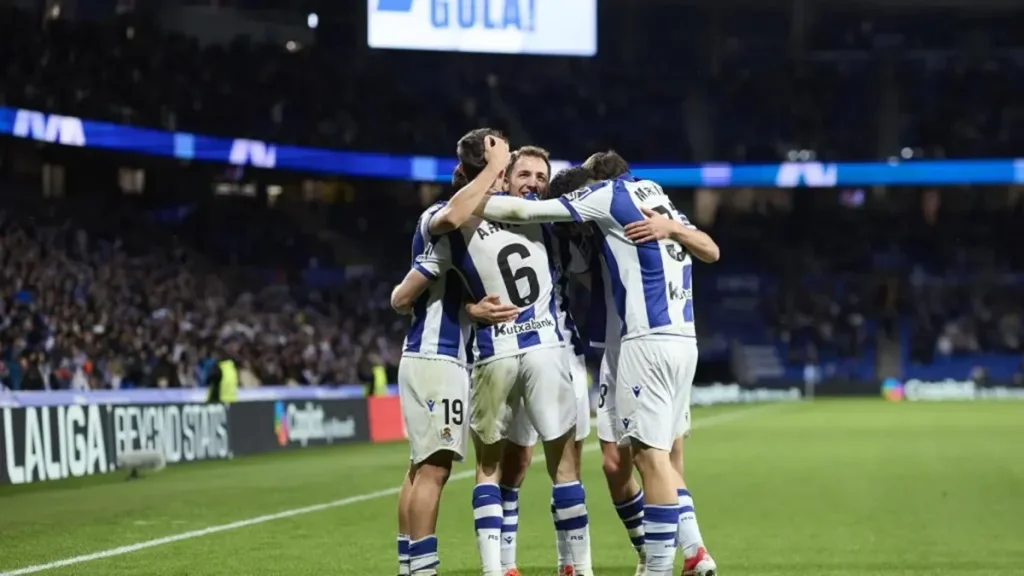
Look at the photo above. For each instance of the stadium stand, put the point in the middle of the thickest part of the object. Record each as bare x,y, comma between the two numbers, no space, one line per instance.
838,284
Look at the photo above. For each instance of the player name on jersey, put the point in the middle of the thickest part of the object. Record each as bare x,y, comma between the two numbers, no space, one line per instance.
486,229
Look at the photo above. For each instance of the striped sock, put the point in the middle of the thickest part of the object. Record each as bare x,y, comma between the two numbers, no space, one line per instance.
487,514
631,512
660,526
509,526
571,517
403,555
689,533
561,541
423,556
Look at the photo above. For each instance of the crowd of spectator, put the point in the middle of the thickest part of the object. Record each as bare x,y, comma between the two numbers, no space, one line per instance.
82,313
737,87
83,309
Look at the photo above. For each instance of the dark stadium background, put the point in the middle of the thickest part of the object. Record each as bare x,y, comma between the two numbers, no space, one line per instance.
129,267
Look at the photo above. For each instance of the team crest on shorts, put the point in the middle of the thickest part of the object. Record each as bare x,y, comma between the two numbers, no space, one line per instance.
446,436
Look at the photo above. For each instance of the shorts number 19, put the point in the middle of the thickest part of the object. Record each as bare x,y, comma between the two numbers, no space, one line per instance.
452,411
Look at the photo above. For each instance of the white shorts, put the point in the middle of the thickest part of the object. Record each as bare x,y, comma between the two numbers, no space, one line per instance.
652,393
435,405
536,382
523,433
609,427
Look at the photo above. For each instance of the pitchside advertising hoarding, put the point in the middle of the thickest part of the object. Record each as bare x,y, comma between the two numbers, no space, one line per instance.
262,427
42,443
540,27
948,390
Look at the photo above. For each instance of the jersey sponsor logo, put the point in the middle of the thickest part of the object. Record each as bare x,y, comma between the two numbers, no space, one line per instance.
532,325
52,443
678,292
309,424
182,433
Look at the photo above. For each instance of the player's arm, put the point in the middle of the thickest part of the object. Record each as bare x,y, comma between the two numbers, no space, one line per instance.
460,208
403,296
585,205
433,263
658,227
490,310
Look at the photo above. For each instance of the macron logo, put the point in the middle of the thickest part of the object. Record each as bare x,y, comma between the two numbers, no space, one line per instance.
252,153
394,5
53,128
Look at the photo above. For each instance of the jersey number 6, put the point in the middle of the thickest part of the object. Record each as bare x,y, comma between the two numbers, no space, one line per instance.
511,278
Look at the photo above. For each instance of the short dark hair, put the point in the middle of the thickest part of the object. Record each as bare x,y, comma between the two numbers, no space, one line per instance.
470,151
607,165
570,180
459,179
528,151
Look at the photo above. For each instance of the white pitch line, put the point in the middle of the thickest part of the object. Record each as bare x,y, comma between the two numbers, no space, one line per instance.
122,550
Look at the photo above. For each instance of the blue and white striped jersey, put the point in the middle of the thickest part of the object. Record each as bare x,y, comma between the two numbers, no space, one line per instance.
511,261
440,327
650,284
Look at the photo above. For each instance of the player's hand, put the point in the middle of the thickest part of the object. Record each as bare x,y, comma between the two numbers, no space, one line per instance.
490,310
655,227
496,151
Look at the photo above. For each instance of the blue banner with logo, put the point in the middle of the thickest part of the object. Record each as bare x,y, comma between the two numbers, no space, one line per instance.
76,132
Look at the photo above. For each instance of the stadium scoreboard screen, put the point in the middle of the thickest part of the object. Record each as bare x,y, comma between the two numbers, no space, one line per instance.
539,27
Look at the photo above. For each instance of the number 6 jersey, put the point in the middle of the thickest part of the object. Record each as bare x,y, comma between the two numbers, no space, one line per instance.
511,261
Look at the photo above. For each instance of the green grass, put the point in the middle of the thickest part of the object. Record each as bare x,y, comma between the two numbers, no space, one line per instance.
818,489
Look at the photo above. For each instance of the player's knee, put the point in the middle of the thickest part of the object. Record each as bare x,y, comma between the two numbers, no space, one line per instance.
436,468
560,457
611,460
676,454
649,458
514,462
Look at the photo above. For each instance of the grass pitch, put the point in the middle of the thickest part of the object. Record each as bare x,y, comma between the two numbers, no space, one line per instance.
835,488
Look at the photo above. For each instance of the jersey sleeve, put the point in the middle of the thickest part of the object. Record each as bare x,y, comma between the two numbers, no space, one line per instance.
590,204
522,211
423,227
436,258
685,221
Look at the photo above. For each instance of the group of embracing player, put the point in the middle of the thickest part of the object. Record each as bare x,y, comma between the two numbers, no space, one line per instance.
493,349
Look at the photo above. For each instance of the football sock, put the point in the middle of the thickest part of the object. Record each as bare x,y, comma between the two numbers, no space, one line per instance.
509,526
487,515
689,533
571,518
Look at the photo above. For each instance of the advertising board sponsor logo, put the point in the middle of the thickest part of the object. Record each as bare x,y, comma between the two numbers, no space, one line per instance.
252,153
954,390
719,393
181,432
52,443
809,174
51,128
309,423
